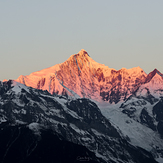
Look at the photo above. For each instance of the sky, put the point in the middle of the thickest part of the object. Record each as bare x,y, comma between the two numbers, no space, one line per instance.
37,34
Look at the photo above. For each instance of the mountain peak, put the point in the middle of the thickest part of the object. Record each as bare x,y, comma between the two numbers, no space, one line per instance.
4,80
80,55
82,52
152,74
155,71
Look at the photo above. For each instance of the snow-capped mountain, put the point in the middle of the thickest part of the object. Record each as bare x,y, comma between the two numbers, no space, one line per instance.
81,76
116,115
141,106
74,123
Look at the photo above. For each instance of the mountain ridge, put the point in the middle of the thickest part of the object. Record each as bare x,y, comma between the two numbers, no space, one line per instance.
81,75
27,114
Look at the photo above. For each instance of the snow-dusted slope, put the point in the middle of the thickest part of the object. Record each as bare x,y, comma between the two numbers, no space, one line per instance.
140,105
139,134
78,121
81,75
144,106
153,85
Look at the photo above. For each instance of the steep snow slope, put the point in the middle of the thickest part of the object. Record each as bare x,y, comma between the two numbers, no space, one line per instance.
140,135
153,85
139,106
81,75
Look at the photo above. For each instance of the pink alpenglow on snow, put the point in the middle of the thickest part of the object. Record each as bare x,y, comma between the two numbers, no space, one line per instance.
81,76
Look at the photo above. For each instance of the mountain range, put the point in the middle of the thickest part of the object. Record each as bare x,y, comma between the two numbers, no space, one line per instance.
101,114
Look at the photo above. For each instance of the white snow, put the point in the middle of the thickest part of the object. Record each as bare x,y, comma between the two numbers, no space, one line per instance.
23,111
77,129
17,87
96,132
71,112
35,127
139,135
2,119
18,102
159,159
20,122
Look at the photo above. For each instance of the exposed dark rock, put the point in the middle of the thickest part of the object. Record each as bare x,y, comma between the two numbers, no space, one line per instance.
20,144
147,119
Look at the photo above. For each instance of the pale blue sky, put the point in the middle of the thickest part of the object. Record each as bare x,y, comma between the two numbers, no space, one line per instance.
36,34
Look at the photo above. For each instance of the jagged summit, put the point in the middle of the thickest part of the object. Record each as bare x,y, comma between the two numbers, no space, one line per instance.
82,55
152,74
82,52
159,73
4,80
